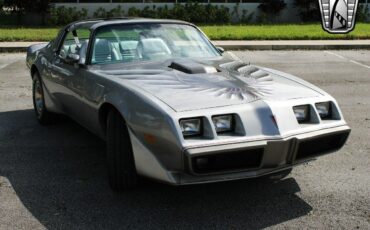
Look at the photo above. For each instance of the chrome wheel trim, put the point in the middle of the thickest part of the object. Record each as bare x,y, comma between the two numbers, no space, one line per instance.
39,97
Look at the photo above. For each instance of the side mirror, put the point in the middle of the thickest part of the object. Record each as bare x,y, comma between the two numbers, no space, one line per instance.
72,58
220,49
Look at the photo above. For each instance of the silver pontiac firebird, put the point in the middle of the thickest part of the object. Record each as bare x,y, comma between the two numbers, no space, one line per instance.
175,108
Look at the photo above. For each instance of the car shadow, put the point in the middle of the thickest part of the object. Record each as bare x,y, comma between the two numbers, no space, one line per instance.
59,174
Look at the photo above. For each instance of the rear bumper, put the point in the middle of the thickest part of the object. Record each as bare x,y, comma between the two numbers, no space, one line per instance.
257,158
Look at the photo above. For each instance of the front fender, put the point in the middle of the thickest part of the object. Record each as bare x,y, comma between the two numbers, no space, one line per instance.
150,123
32,53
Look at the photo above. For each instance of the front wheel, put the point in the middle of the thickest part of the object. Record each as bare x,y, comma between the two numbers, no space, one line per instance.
44,117
120,158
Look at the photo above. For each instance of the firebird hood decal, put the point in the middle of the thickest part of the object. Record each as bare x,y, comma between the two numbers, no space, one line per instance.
244,87
235,83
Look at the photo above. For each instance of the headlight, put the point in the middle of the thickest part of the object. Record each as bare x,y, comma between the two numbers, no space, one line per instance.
324,109
302,113
223,123
191,127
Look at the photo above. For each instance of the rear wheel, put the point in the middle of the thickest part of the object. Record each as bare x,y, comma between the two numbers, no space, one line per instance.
120,158
44,117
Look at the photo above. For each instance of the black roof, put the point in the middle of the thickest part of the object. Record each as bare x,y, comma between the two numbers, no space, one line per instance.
93,24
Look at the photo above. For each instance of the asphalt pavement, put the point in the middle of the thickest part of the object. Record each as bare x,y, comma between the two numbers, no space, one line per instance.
55,178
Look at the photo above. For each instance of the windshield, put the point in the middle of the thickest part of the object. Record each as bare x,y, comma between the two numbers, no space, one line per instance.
127,43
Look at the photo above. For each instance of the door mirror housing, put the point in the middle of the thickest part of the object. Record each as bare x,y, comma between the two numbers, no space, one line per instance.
72,58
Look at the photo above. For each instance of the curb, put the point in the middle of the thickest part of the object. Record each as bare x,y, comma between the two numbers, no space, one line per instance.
13,49
295,47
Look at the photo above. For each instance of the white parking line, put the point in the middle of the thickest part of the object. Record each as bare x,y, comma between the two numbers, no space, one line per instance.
8,64
349,60
340,56
358,63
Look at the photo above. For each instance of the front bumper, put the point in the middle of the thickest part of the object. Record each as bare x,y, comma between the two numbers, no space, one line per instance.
228,162
248,159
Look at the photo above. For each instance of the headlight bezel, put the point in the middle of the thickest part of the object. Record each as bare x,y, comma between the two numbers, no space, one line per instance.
189,134
307,118
329,109
231,127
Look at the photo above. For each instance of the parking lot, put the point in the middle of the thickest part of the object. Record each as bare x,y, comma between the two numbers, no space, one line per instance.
54,177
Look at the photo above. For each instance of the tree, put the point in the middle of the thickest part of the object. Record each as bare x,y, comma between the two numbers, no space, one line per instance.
1,6
363,13
309,10
270,10
22,7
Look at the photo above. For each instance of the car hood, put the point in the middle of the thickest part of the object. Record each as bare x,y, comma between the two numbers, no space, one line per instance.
186,85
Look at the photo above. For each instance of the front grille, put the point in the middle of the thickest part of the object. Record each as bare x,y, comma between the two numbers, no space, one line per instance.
317,146
228,161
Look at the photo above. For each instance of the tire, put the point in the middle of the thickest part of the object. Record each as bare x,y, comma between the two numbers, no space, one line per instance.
120,158
43,116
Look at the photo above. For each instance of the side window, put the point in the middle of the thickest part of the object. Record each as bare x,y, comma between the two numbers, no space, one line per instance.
75,45
112,46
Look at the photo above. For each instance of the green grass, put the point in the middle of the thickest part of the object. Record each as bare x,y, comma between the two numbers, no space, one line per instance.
281,32
217,32
10,34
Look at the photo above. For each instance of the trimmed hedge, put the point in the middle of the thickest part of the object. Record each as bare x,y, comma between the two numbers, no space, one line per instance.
191,12
64,15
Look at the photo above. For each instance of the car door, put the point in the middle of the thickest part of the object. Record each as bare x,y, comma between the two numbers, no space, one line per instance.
68,75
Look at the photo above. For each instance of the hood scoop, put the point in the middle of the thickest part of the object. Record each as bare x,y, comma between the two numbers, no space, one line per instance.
192,67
